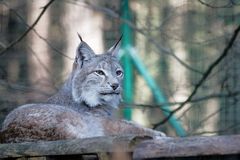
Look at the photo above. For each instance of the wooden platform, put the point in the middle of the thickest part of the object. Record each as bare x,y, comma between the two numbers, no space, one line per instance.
127,147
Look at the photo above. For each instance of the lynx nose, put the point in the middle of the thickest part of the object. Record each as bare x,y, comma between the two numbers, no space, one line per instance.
114,86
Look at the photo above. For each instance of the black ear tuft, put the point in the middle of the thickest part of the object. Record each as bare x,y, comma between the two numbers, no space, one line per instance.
116,47
117,43
80,37
84,52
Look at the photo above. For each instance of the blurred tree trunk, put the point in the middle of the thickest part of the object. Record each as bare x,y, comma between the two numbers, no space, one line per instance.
144,19
38,52
85,21
178,74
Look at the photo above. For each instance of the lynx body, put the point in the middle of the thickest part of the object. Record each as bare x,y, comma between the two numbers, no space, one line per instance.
83,107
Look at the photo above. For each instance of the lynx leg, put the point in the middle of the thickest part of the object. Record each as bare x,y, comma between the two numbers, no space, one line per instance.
119,127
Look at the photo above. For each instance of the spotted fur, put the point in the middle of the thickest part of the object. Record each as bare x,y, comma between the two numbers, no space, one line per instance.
82,108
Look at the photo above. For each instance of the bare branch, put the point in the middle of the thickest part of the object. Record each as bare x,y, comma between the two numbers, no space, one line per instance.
28,30
35,31
194,100
113,14
21,88
229,95
218,131
205,120
43,66
228,5
205,75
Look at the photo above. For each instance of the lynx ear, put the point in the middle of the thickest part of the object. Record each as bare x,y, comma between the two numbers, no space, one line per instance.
84,52
116,47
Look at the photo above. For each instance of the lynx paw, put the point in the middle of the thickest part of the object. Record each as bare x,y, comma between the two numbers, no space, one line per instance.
159,135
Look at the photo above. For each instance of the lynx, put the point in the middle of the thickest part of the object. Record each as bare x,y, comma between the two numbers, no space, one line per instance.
83,107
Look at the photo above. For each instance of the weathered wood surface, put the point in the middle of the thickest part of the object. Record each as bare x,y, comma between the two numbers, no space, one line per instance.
141,147
71,147
188,147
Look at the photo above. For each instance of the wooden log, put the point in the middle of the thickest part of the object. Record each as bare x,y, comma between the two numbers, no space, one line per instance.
71,147
141,148
188,147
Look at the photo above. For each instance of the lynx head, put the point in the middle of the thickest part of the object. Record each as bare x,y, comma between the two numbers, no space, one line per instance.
97,79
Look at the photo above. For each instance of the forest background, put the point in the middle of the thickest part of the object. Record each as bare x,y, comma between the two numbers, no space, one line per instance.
190,48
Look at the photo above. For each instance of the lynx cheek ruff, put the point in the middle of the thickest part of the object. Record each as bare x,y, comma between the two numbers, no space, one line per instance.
82,108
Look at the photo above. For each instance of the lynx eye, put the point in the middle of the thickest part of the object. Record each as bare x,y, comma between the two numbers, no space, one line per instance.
119,73
100,72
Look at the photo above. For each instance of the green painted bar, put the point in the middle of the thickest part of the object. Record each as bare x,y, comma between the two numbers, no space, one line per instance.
129,57
126,60
158,95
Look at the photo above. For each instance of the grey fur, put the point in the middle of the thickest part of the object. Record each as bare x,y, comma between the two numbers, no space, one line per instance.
85,88
82,108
